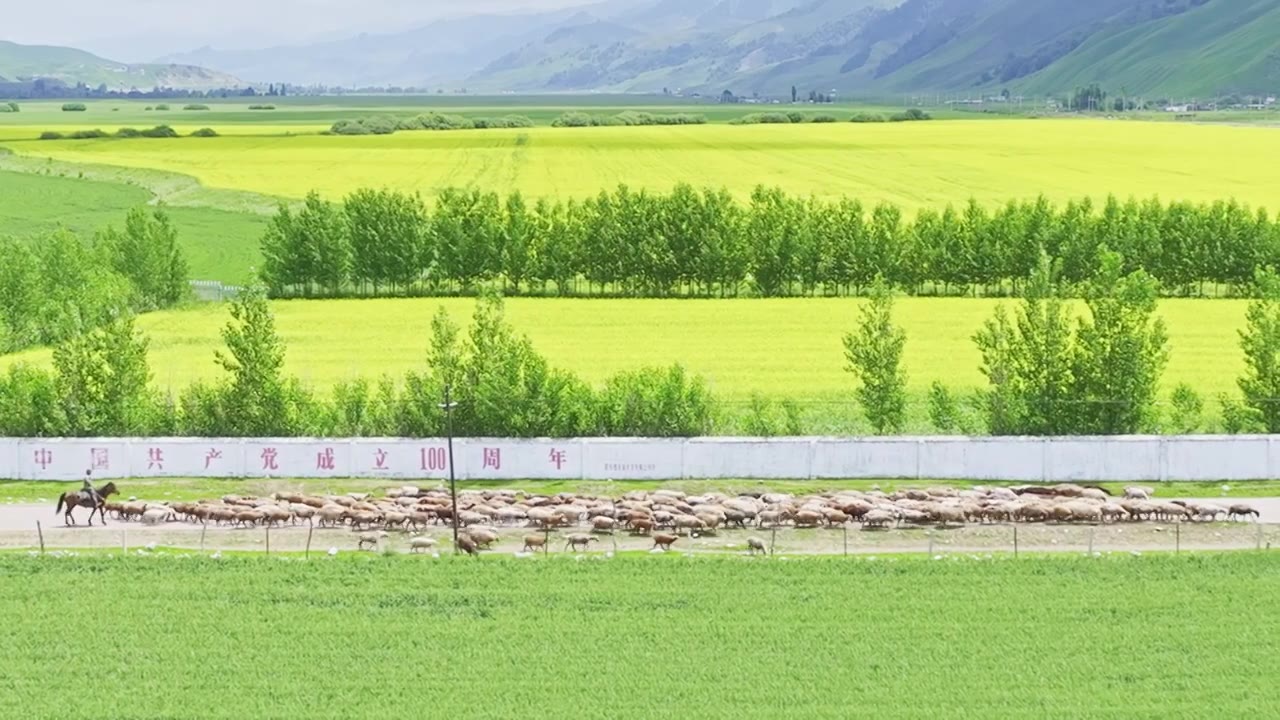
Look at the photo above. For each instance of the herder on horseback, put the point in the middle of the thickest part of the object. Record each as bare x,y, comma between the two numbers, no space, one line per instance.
93,498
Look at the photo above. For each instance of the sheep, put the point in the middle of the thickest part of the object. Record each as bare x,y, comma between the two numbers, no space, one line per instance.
688,522
877,518
579,541
756,545
642,526
664,540
248,517
1113,511
601,523
534,543
483,537
467,545
1137,492
371,539
946,514
331,515
1242,511
421,543
808,519
155,516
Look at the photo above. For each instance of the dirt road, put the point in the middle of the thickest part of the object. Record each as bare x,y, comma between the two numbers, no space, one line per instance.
18,529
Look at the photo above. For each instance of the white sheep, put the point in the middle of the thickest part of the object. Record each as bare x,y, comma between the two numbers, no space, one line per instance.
421,543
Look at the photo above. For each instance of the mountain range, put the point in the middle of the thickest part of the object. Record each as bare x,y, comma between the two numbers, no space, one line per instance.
27,63
855,47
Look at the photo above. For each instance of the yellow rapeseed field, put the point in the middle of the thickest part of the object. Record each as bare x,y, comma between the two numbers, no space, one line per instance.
780,348
912,164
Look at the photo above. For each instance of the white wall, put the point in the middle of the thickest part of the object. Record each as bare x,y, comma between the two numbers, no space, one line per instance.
1078,459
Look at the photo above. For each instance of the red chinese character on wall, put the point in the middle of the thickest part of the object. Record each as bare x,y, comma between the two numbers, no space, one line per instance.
269,459
493,458
155,459
324,459
380,459
209,457
557,458
43,458
98,459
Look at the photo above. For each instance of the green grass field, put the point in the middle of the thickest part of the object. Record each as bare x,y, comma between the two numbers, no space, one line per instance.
787,348
639,637
911,164
218,244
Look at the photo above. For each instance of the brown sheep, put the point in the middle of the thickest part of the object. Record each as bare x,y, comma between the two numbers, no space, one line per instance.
664,540
949,514
877,518
534,543
642,526
467,545
483,537
808,519
602,523
688,522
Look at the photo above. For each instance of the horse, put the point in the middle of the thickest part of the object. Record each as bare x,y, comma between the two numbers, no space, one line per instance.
80,498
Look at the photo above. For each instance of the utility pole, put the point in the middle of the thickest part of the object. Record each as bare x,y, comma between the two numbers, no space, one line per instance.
448,406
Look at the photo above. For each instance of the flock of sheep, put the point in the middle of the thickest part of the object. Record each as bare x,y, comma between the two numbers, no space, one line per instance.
666,515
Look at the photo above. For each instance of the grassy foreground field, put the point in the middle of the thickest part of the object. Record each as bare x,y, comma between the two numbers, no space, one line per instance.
911,164
640,637
779,348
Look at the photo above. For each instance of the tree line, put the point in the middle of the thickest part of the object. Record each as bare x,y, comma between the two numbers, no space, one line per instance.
704,243
54,288
100,385
1049,371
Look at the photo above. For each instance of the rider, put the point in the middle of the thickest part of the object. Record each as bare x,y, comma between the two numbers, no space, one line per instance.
89,490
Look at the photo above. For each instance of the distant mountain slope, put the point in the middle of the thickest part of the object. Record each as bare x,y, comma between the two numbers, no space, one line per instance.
25,63
856,47
440,53
891,46
1220,47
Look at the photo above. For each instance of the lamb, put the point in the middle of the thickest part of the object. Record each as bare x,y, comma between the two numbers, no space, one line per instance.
664,540
467,545
755,545
421,543
579,541
533,543
371,539
1242,511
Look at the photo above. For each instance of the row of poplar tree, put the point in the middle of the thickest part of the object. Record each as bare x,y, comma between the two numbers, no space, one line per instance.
58,286
1052,371
100,385
705,243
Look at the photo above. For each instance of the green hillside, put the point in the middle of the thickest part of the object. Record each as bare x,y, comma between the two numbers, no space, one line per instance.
874,47
26,63
1221,47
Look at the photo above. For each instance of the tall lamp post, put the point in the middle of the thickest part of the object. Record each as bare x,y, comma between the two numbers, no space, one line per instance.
448,406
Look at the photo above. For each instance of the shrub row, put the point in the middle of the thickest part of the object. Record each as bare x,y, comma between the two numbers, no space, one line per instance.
9,107
159,131
626,118
386,124
705,243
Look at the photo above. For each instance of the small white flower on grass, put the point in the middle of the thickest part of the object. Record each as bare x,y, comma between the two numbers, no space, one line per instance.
151,547
1226,489
333,552
435,555
217,555
609,554
1135,553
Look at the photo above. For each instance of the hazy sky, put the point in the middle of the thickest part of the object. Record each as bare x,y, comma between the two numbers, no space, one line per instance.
140,30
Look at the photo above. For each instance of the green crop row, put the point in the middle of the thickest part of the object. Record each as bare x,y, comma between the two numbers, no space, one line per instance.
639,637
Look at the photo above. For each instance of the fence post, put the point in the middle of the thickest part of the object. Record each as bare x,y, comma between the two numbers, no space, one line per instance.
1015,539
846,539
1258,527
267,527
306,554
930,543
124,547
204,526
1092,530
40,532
1177,538
773,539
